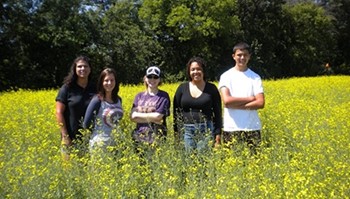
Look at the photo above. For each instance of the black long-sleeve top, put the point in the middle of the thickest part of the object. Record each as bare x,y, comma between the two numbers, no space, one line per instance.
206,107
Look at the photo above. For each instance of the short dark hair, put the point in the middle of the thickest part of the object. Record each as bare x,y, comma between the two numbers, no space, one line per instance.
200,62
241,46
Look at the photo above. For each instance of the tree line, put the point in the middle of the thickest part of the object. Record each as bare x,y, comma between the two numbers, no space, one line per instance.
39,39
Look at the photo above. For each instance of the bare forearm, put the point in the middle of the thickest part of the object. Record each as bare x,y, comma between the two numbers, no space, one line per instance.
146,117
257,103
62,124
254,105
237,102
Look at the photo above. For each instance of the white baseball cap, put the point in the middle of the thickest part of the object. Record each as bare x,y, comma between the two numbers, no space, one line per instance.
153,70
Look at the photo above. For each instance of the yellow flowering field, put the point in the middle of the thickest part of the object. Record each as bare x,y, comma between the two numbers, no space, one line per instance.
304,153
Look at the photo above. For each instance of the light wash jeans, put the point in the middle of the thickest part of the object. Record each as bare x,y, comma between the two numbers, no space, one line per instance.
100,142
197,136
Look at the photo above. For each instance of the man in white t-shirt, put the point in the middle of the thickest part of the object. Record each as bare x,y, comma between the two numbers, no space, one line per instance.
242,94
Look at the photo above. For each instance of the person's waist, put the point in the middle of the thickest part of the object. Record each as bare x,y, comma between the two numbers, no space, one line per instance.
196,121
195,117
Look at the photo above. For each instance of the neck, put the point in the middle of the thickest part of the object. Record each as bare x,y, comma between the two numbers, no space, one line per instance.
198,83
240,68
152,91
82,82
108,97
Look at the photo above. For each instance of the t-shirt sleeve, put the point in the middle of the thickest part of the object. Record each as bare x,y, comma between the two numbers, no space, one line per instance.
135,102
62,95
258,87
164,105
91,112
223,82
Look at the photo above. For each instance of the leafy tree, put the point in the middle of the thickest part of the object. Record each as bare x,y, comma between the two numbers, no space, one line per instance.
312,38
40,38
339,9
15,32
64,31
124,43
40,41
187,28
266,28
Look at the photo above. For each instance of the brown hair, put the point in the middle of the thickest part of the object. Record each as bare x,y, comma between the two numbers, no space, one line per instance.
72,75
101,91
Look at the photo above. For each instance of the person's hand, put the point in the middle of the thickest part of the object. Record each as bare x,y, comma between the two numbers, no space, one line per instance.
217,141
217,145
252,98
66,140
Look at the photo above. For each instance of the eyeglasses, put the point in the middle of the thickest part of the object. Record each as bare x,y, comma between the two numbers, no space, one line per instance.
152,77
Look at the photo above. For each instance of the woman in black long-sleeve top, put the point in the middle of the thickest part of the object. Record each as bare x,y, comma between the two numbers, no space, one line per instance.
197,109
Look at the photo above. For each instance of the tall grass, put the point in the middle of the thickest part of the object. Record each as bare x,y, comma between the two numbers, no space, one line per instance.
304,154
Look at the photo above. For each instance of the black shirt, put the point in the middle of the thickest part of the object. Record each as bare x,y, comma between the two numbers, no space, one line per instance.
206,107
76,99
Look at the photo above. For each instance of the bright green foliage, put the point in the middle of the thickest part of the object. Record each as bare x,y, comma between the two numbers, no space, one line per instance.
203,19
304,154
193,28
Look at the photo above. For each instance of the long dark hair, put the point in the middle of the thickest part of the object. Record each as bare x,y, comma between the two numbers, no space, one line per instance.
72,75
200,62
101,91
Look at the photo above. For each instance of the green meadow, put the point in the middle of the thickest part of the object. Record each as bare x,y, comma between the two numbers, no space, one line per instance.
305,151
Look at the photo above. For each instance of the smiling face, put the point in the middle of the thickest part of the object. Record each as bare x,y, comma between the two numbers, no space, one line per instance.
152,81
109,82
242,58
82,69
196,72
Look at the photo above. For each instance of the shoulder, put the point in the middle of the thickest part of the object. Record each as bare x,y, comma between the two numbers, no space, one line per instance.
163,93
119,99
64,88
253,74
183,85
63,93
140,95
96,99
228,71
226,74
211,85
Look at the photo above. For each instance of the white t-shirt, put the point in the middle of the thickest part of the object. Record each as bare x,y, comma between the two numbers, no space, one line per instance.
241,84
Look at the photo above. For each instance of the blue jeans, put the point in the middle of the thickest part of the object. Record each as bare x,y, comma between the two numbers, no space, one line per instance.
198,136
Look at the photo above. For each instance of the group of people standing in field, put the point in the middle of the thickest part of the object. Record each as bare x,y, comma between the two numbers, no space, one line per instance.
197,106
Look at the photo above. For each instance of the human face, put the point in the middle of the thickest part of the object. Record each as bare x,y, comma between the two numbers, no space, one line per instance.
109,82
152,81
242,58
82,69
196,72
